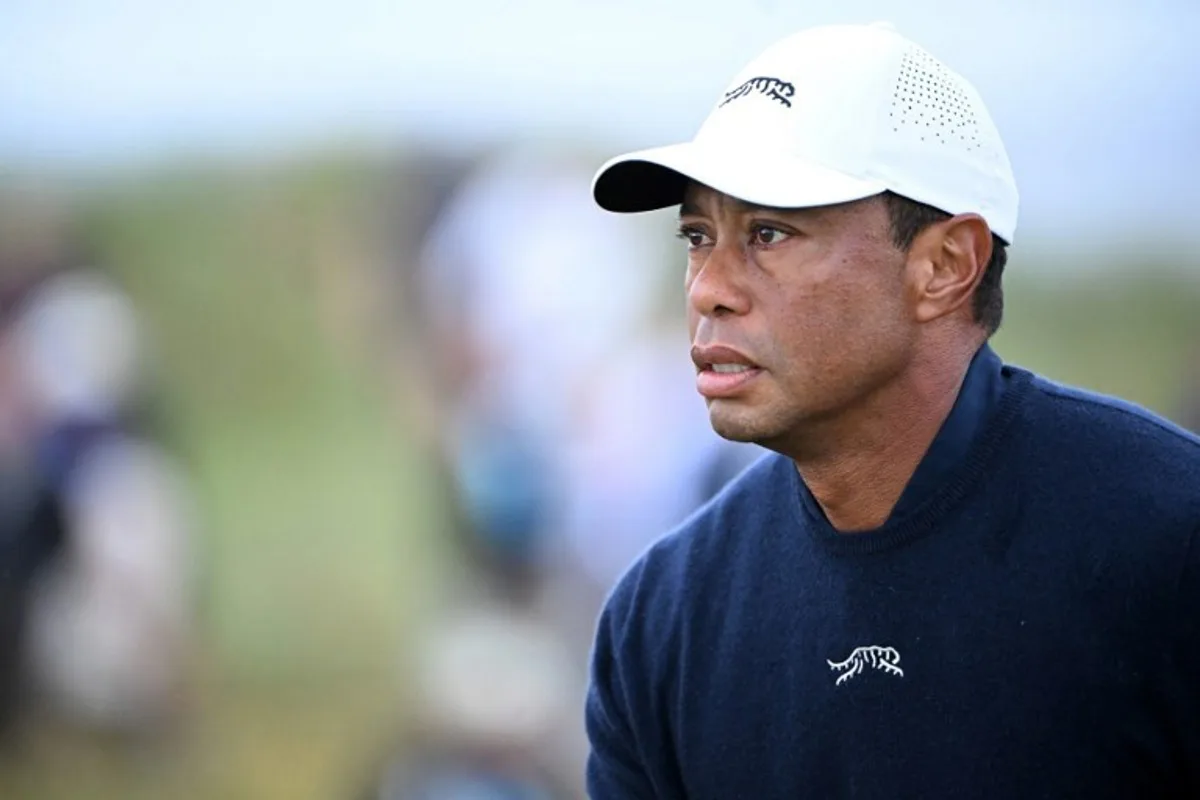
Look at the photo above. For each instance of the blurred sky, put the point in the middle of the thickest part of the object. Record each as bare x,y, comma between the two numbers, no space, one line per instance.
1097,100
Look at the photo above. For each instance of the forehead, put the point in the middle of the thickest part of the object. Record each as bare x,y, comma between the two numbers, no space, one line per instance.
700,200
704,201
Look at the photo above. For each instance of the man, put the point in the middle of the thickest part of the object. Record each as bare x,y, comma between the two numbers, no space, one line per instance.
953,578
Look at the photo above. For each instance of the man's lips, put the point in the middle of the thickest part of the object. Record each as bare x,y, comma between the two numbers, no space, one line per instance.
715,355
722,371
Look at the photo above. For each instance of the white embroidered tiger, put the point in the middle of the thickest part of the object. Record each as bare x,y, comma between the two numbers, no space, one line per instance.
884,658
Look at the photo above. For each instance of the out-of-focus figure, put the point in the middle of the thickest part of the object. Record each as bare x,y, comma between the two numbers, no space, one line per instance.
567,420
544,330
108,628
527,290
493,686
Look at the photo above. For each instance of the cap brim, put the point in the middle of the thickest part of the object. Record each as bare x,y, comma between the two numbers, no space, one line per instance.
657,178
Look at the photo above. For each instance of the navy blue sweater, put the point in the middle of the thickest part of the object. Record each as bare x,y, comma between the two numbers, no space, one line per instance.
1026,624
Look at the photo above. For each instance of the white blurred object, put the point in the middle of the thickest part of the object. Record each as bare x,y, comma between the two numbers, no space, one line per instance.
495,679
545,282
80,345
110,625
644,457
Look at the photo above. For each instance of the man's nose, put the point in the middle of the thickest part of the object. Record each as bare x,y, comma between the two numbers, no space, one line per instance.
716,288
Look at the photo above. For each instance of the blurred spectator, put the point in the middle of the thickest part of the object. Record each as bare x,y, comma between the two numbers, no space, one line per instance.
102,628
572,436
528,289
569,411
494,687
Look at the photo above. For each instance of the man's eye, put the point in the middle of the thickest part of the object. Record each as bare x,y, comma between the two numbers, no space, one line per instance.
766,235
693,237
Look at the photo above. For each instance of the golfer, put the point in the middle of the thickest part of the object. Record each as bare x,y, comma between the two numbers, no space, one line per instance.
951,578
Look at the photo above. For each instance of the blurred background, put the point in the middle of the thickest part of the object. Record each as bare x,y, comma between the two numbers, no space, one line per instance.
330,408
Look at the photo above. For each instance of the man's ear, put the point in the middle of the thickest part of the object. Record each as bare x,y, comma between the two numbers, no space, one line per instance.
951,257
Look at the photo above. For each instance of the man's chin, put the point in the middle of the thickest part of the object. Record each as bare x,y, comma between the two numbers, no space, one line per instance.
736,424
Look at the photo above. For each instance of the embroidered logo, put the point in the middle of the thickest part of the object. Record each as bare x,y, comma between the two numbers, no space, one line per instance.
773,88
884,658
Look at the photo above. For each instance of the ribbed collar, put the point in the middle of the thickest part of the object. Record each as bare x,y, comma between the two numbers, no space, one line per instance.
957,458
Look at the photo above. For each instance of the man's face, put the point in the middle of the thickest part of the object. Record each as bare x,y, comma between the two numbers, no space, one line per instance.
796,316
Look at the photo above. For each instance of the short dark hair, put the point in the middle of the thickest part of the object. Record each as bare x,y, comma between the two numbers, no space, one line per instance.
908,218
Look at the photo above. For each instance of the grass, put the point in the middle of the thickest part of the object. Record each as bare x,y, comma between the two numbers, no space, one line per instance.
1134,335
315,556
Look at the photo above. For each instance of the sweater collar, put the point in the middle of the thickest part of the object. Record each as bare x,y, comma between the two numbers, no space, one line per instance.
977,398
984,406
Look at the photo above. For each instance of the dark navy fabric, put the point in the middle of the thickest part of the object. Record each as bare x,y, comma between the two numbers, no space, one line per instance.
978,397
1025,625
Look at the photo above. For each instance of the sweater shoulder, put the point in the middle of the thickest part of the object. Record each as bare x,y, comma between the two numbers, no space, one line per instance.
1117,451
1114,422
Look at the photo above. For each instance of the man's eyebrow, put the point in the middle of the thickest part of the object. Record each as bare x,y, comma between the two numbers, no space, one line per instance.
689,208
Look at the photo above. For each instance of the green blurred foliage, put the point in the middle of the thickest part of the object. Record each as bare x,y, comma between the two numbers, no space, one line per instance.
316,559
1129,328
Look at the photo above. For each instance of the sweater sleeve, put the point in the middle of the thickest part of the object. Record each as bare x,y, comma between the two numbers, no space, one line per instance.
615,768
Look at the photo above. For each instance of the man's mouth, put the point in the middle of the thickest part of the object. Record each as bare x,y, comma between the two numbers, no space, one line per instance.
722,372
729,369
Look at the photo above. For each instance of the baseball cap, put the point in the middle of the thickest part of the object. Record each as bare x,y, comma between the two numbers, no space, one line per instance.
829,115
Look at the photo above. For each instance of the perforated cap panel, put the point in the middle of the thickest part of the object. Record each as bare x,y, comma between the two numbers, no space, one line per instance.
931,103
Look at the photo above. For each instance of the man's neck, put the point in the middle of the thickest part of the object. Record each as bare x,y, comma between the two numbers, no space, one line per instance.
879,445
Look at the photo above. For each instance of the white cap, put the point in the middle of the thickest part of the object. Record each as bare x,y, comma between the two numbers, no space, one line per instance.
829,115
